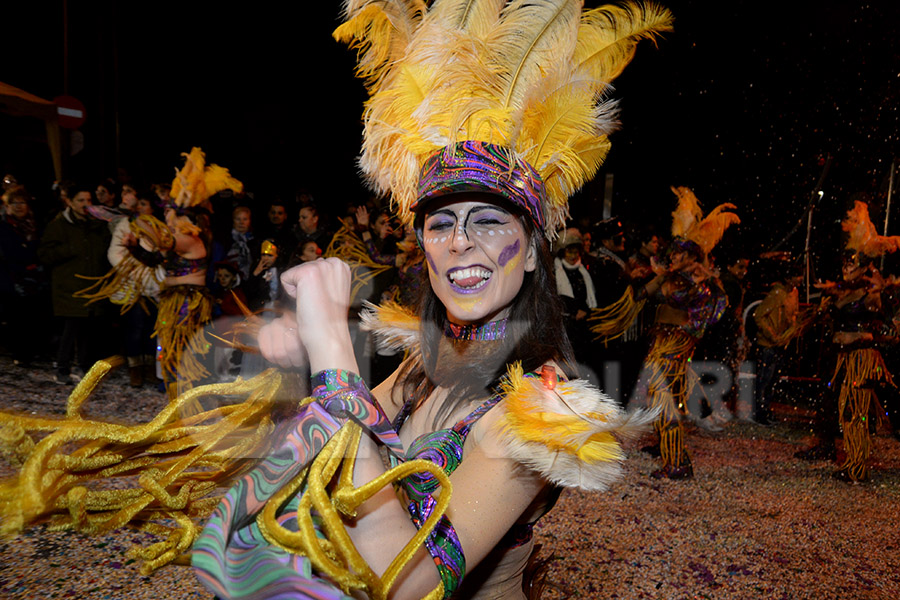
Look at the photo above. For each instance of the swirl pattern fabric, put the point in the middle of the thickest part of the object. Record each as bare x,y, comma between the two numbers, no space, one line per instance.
444,448
231,557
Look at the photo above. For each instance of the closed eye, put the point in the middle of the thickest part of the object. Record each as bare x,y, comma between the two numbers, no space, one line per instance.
440,226
489,221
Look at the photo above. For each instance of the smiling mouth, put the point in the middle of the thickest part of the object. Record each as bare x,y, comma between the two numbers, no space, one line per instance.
469,279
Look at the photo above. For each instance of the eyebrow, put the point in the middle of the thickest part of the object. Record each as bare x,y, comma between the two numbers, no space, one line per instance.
475,209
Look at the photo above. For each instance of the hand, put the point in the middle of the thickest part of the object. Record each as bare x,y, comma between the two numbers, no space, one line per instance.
321,289
640,272
876,281
581,314
266,262
699,272
129,240
362,216
280,344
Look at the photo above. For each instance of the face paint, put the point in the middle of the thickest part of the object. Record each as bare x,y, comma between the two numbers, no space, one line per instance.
474,254
508,253
466,304
430,262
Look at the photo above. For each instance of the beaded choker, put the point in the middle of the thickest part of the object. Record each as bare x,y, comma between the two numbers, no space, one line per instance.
495,330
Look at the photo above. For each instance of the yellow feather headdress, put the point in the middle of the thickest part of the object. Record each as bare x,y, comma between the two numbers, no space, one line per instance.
195,182
689,223
525,78
863,237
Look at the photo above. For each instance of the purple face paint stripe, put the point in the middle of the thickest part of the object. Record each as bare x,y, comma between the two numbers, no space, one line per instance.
508,254
431,263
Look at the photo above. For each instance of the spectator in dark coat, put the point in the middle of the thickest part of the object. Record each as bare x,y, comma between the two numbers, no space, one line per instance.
608,270
24,292
310,228
75,244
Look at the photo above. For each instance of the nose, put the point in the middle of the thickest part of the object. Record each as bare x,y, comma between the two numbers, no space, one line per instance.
460,242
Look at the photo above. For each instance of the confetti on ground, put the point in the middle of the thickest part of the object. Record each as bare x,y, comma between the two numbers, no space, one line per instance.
753,523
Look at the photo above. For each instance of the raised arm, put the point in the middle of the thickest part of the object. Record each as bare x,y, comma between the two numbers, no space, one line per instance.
489,491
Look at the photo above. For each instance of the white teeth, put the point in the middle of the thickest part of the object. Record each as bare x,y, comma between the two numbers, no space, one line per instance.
484,274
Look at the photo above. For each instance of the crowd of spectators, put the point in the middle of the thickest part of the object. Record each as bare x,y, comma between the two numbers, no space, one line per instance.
50,250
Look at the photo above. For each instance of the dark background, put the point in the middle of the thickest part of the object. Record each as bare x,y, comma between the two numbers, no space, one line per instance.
743,103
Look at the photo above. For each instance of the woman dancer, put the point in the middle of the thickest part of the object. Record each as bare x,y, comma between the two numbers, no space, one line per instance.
689,301
485,394
481,424
185,304
862,327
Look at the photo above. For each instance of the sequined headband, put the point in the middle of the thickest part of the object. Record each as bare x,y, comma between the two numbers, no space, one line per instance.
475,166
682,245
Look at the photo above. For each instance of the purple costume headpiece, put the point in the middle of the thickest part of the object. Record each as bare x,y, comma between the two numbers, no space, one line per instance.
475,166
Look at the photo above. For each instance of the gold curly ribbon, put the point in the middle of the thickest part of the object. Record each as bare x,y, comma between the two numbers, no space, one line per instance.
171,469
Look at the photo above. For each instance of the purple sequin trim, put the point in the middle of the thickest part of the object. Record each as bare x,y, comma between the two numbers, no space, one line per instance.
495,330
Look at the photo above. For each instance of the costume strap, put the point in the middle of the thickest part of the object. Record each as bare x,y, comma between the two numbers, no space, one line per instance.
442,544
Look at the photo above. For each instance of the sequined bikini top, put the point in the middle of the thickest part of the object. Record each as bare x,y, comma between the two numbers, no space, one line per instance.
443,447
178,266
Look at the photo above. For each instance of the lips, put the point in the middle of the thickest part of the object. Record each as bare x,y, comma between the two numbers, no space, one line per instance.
467,280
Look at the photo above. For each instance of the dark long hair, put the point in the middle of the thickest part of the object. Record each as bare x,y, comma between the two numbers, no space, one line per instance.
535,334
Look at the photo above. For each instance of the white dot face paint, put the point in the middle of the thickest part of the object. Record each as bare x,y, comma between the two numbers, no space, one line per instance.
477,254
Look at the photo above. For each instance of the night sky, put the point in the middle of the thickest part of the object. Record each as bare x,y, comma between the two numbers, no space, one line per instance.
741,103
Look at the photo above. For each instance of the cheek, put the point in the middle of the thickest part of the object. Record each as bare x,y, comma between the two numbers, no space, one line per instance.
436,238
509,252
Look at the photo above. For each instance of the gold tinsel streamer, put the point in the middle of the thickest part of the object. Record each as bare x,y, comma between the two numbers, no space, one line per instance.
335,555
861,368
125,283
614,320
183,339
350,248
172,469
122,285
177,470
